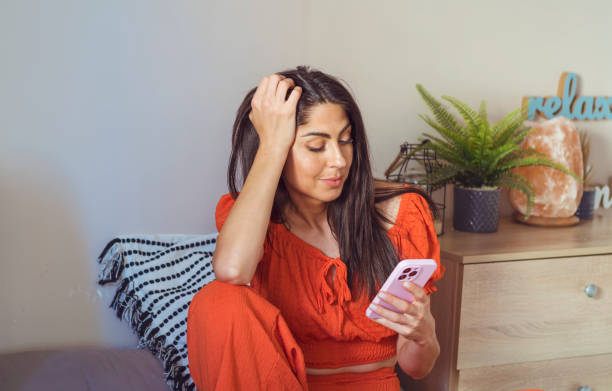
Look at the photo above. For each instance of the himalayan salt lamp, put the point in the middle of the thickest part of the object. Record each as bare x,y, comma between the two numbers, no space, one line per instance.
557,194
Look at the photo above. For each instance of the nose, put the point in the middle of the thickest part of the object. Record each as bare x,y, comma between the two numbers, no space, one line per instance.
337,158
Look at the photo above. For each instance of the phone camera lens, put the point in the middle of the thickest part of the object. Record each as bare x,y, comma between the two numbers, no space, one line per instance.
412,274
407,270
402,277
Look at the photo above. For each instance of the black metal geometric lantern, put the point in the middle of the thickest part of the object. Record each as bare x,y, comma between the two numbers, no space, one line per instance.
415,167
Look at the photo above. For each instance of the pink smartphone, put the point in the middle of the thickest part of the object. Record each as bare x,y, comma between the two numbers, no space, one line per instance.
417,271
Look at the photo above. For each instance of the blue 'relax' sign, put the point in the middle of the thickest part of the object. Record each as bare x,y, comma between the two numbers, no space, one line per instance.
566,104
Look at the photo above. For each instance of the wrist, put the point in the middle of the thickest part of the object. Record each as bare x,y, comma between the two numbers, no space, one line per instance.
432,343
425,342
428,340
273,149
417,359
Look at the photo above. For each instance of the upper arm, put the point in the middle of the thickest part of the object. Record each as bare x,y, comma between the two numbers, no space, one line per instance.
226,274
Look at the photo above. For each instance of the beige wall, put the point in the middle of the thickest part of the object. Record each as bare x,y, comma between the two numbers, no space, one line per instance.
116,115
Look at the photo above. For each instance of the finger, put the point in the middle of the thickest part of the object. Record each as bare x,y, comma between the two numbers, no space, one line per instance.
272,86
404,323
418,292
387,313
399,303
294,96
398,328
283,86
261,87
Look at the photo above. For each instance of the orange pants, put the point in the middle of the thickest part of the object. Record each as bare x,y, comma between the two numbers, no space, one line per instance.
237,340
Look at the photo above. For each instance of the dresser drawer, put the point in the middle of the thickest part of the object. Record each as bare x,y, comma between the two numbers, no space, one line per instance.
556,375
534,310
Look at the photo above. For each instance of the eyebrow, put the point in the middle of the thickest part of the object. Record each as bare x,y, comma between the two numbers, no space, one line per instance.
326,135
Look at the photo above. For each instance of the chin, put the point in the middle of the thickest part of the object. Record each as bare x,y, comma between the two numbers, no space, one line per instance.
332,194
332,197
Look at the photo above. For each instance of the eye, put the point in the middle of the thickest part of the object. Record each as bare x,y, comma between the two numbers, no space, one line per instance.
319,149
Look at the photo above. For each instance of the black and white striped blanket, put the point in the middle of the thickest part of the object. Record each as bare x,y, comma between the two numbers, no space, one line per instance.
157,277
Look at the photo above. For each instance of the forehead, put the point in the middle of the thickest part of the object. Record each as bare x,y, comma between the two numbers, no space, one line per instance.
325,117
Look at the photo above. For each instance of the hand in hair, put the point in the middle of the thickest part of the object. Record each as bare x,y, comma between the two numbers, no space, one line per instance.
272,116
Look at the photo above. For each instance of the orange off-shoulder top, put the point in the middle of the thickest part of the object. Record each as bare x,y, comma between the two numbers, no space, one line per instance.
331,327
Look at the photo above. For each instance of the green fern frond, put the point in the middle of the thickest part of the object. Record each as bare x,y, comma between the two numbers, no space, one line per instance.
471,117
449,135
441,176
445,150
529,152
506,122
510,129
486,146
498,154
521,184
519,135
482,111
534,161
442,115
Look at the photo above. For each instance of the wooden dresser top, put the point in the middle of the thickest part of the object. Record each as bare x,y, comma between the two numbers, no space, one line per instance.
515,241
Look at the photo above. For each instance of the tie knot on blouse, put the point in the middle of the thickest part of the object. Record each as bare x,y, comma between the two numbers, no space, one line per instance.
333,289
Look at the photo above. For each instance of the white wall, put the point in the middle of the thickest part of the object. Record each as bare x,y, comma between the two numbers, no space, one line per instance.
116,116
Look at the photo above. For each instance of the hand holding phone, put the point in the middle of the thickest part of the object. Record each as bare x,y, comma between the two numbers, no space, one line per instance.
417,271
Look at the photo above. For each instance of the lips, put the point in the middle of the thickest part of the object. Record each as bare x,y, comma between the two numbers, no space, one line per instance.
333,182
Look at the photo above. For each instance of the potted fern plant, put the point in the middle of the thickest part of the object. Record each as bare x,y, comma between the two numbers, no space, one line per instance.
478,157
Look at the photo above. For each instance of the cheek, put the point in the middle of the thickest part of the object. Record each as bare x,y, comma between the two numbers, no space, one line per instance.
347,153
302,168
349,157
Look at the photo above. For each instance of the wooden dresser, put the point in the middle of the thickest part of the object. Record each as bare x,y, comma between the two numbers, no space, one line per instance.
513,311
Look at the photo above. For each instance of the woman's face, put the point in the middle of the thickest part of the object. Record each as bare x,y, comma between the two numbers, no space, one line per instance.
320,159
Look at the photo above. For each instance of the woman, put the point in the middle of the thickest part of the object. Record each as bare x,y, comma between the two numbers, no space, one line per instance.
314,237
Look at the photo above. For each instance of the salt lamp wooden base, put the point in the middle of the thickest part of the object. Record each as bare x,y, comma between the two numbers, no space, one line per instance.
547,221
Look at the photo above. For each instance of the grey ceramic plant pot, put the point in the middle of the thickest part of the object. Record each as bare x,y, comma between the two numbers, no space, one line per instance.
587,204
476,210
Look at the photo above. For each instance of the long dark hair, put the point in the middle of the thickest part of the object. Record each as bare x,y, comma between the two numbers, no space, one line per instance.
364,245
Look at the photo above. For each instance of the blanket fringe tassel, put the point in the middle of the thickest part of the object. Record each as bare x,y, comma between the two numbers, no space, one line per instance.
127,307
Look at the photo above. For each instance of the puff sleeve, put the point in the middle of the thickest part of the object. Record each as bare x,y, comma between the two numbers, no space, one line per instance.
222,210
224,206
418,238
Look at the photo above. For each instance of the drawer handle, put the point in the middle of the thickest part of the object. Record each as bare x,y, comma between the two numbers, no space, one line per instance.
584,388
590,290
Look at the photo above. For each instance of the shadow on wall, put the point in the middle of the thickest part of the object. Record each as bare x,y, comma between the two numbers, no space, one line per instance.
48,293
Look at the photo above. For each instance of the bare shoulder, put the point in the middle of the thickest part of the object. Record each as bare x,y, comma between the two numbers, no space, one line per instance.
389,207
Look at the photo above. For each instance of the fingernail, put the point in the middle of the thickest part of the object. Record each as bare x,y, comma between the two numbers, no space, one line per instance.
382,295
407,284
